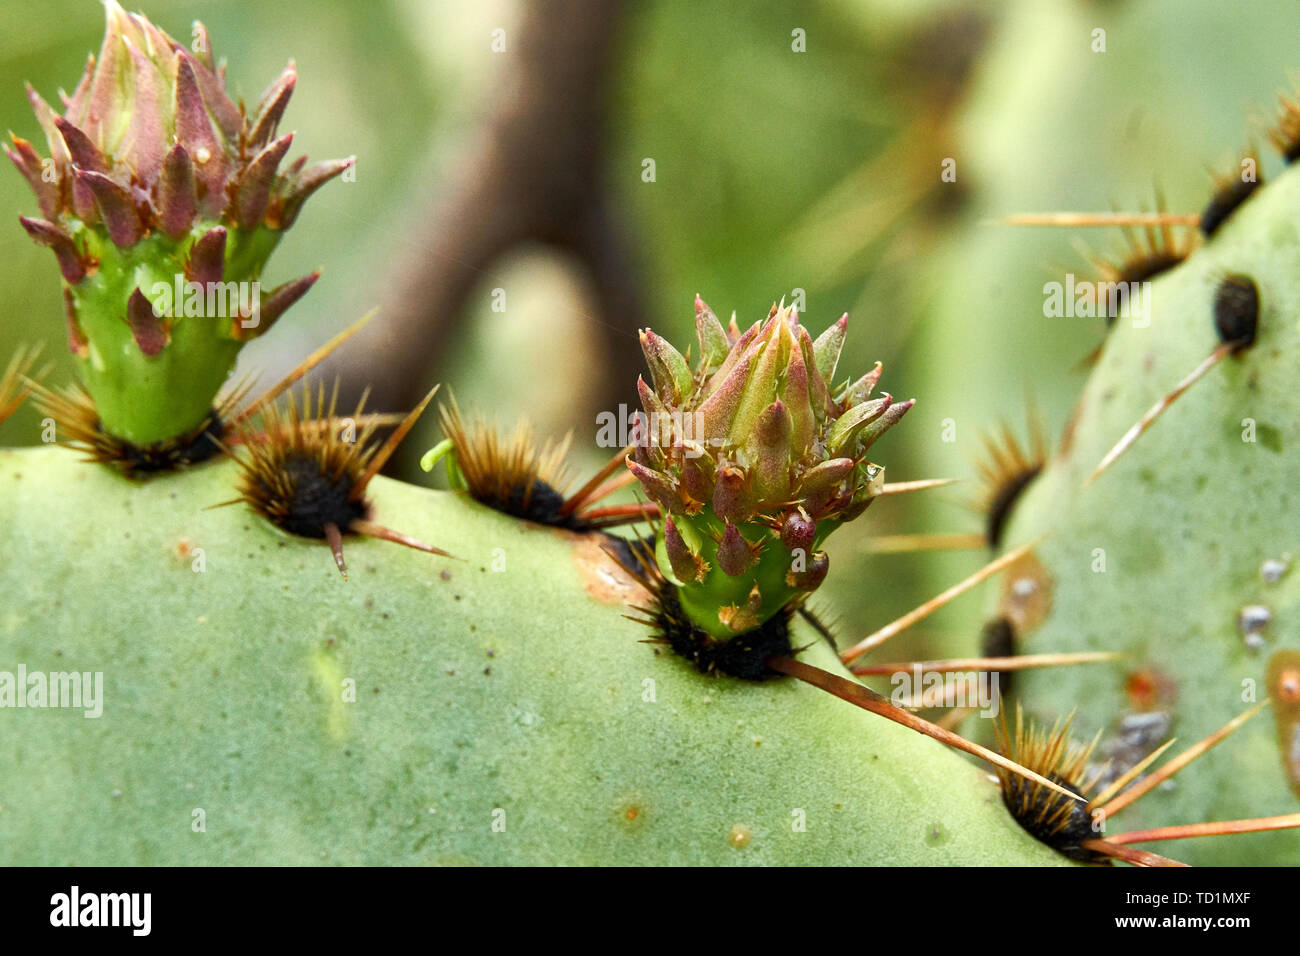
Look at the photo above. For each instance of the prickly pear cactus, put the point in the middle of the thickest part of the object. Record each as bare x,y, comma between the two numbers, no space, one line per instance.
197,685
162,200
1175,554
256,708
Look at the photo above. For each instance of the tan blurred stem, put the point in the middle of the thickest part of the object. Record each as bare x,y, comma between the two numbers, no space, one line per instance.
531,174
903,487
1158,409
593,490
906,543
1076,219
1018,663
1129,854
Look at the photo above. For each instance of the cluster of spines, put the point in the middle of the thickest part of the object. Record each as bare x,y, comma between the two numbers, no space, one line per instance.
19,379
307,472
519,476
1061,823
1078,831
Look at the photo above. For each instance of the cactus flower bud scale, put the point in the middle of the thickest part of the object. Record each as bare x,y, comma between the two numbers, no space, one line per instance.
754,457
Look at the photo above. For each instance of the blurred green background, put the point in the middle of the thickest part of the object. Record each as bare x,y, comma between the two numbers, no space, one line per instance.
776,170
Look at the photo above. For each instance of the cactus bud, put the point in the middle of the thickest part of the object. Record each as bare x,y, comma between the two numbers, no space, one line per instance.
798,531
686,564
757,447
735,554
159,180
812,576
714,345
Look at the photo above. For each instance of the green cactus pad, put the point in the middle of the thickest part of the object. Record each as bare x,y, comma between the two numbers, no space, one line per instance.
1183,522
500,683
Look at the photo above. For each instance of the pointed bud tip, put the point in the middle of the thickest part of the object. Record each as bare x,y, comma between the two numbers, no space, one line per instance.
150,334
734,553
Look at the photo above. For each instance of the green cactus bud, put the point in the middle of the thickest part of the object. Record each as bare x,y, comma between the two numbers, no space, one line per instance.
754,461
162,201
714,344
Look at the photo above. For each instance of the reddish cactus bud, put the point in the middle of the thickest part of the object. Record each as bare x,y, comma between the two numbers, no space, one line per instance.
207,261
798,530
731,498
29,164
281,297
661,488
84,153
115,208
698,470
176,202
810,578
686,564
735,554
272,107
147,329
48,234
253,187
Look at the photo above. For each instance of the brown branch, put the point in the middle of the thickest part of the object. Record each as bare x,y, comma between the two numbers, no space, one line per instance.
533,174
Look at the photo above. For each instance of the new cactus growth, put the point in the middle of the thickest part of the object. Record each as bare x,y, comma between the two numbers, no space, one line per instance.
754,458
162,200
